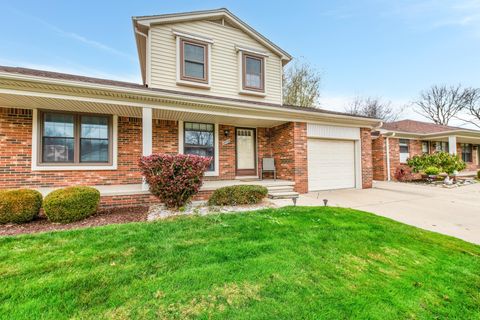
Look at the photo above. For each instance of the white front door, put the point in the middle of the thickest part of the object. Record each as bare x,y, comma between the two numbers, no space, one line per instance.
331,164
246,162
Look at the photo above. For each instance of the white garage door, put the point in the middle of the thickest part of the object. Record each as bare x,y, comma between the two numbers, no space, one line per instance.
331,164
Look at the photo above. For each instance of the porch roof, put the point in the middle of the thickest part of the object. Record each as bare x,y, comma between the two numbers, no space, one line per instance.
30,89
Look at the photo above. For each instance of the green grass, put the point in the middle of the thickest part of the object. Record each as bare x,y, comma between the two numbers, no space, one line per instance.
291,263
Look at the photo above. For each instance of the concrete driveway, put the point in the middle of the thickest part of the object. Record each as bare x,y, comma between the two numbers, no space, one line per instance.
454,212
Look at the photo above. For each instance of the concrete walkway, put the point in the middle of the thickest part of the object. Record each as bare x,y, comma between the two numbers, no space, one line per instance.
454,212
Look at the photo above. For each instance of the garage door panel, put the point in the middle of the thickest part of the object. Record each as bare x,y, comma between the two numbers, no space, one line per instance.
331,164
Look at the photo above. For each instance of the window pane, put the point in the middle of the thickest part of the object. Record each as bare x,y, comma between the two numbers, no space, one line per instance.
58,125
58,149
93,150
199,138
94,127
194,70
425,147
194,53
253,72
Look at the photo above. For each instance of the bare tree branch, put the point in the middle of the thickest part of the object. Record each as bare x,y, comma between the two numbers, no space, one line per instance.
374,108
441,103
301,85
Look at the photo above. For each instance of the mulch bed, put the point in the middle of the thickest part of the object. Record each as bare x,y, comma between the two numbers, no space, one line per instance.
104,217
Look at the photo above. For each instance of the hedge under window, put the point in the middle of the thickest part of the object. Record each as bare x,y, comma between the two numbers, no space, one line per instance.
199,139
75,138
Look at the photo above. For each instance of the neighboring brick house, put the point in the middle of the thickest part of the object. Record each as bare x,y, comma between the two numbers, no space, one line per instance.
212,85
397,141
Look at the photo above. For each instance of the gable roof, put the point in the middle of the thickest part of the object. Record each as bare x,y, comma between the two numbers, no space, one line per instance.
420,127
42,76
141,24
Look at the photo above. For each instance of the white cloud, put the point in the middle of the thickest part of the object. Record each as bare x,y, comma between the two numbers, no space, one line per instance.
73,68
433,14
75,36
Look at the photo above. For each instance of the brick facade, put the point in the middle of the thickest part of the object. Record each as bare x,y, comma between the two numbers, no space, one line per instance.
415,148
289,148
286,143
16,146
366,149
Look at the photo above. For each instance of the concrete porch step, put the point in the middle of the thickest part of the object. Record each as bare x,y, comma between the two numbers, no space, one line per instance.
280,188
283,195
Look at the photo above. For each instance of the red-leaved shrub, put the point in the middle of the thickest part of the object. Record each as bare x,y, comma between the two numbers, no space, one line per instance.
174,179
405,174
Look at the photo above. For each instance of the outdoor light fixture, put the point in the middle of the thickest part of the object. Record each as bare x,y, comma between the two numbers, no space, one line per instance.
325,202
226,133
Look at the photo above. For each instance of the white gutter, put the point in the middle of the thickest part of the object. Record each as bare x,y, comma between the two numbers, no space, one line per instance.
140,33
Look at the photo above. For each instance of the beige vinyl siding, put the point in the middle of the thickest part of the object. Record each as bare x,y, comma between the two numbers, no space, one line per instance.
225,77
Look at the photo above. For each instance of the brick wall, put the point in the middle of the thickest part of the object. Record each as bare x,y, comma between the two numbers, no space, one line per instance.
366,146
289,148
378,159
16,146
227,154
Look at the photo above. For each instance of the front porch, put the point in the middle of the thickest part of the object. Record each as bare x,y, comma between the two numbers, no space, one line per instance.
208,186
135,194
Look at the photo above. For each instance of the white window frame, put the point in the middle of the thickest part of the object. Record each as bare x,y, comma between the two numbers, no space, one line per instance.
259,54
403,154
179,36
215,172
66,167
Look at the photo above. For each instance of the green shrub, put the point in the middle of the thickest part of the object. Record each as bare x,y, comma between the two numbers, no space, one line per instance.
71,204
432,171
19,206
478,174
445,162
237,195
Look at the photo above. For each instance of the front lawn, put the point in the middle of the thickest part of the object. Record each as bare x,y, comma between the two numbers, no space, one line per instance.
291,263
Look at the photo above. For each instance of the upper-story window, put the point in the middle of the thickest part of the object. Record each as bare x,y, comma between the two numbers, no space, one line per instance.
193,61
253,72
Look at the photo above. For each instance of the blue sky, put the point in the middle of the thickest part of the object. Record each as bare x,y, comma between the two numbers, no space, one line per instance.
385,48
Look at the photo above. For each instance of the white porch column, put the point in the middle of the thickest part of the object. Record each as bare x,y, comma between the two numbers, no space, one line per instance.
147,133
452,145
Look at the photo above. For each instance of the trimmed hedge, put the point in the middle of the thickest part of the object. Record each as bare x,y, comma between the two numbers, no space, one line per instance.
17,206
71,204
237,195
174,179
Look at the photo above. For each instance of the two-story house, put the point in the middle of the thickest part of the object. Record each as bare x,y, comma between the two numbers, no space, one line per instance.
212,85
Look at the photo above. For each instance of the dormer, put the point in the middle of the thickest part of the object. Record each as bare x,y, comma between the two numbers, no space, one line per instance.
209,52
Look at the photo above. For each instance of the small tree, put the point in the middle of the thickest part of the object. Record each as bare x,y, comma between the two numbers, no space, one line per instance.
174,179
301,85
441,103
473,108
373,108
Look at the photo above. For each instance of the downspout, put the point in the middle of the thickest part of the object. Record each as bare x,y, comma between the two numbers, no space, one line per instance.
387,146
